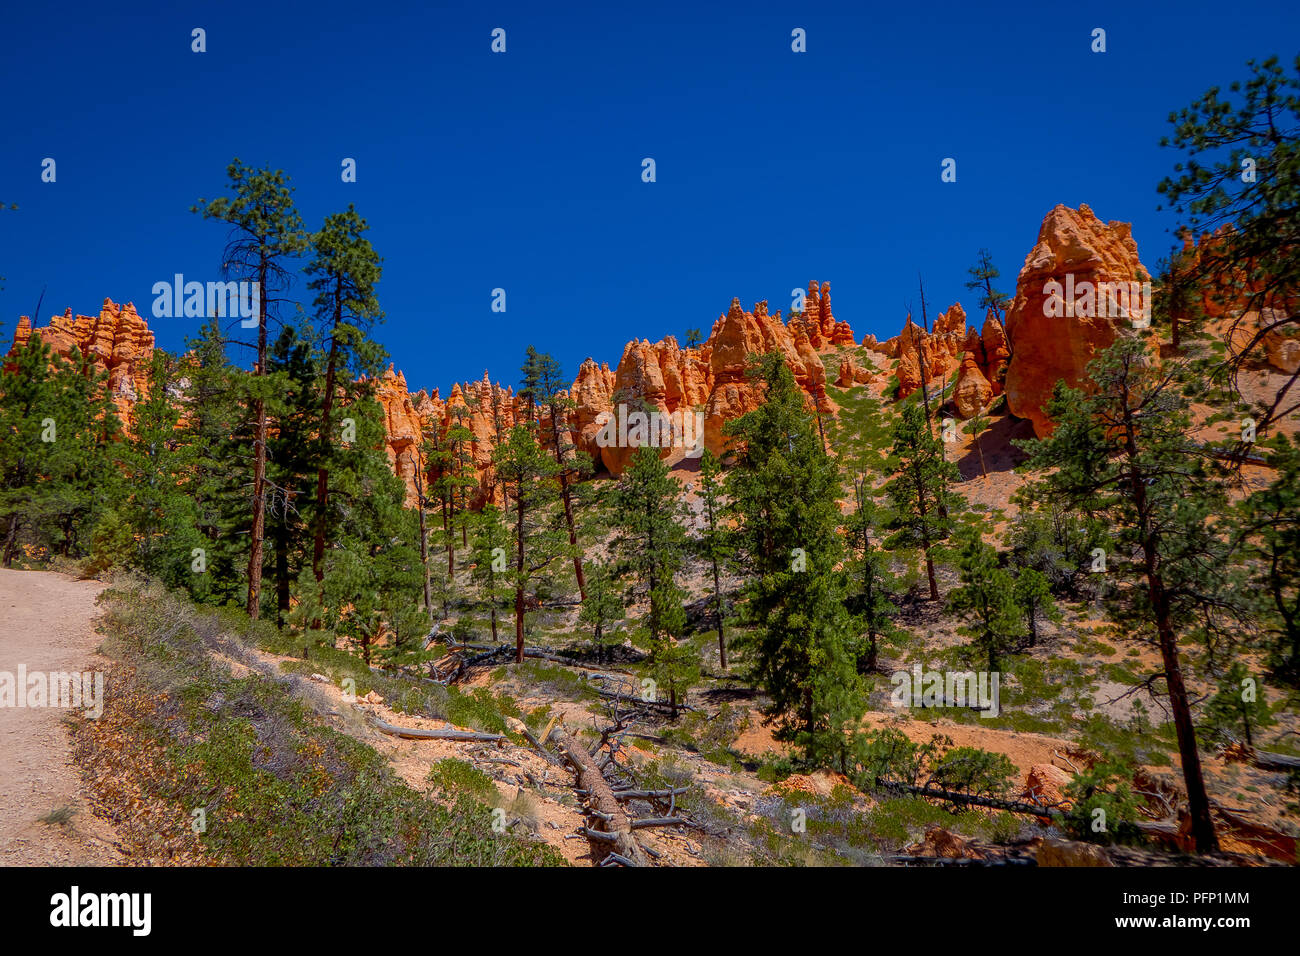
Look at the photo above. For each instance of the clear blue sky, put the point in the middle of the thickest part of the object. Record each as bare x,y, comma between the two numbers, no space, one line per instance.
523,170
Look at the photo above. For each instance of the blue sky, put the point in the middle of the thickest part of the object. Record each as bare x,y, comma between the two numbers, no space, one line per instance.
522,170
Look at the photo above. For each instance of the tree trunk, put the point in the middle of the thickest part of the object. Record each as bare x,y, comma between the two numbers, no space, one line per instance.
259,460
717,600
519,584
424,539
1198,800
606,814
567,498
11,539
282,570
327,406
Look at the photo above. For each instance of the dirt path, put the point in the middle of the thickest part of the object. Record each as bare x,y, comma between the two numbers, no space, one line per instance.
45,627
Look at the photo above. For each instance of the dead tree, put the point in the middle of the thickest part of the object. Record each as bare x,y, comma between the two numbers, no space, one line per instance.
609,828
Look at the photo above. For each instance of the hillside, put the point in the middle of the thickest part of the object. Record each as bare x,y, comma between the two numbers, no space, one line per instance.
455,725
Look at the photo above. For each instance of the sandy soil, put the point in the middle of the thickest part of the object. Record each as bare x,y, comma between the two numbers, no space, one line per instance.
45,624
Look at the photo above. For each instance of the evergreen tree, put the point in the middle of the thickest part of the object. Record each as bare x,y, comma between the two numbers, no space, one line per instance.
547,388
978,424
530,383
491,551
650,542
212,432
1054,541
602,609
419,476
982,276
871,583
918,493
266,234
456,477
56,423
1033,595
1252,267
160,517
1124,448
800,644
649,539
986,599
373,573
714,546
527,475
1238,706
345,269
292,457
1268,534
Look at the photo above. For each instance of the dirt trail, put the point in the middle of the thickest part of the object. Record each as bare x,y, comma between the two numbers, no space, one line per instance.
45,626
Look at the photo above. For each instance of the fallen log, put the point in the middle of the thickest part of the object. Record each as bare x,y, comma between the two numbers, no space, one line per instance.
422,733
612,832
641,701
967,799
1266,760
649,794
534,653
663,822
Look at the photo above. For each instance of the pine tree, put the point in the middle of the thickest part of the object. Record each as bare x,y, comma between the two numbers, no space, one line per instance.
650,542
373,574
1055,541
213,404
714,547
530,383
978,424
527,475
871,583
56,425
919,491
799,646
649,539
456,477
1253,265
1124,448
419,478
160,516
986,599
546,387
1033,595
292,458
346,269
602,609
982,276
1238,706
266,234
1268,534
491,551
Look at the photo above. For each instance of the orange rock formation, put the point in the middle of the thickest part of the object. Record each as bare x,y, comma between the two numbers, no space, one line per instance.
117,341
1073,247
